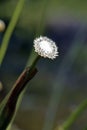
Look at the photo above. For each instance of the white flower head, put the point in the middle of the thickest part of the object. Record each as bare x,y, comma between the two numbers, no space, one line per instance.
2,25
45,47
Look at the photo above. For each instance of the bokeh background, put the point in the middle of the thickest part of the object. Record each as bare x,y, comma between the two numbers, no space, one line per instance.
60,85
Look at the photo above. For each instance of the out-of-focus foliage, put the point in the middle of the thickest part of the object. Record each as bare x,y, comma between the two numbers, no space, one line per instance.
32,11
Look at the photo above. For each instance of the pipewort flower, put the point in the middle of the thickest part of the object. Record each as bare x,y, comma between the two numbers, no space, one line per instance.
45,47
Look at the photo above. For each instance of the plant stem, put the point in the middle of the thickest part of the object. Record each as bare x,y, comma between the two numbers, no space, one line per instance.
10,29
11,103
8,111
42,19
72,118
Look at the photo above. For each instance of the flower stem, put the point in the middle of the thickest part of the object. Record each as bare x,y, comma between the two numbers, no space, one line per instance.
10,29
10,104
72,118
7,113
36,58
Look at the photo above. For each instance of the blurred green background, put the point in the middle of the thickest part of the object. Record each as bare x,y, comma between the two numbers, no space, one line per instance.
60,85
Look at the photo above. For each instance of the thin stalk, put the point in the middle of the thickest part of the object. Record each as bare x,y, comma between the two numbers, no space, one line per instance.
41,24
73,117
8,33
34,62
9,109
11,103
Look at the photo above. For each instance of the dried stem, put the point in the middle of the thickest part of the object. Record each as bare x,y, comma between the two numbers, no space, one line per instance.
9,108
